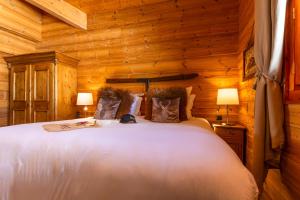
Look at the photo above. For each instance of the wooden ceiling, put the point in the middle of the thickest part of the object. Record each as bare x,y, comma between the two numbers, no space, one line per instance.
63,11
74,12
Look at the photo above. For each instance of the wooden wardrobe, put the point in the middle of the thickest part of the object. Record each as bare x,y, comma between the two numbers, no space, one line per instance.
43,87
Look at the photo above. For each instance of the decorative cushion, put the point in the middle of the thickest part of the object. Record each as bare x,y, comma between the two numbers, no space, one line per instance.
165,110
126,102
125,98
169,93
107,108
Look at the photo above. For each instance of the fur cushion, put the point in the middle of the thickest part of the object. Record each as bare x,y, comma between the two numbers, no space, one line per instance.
165,110
126,102
107,108
169,93
118,94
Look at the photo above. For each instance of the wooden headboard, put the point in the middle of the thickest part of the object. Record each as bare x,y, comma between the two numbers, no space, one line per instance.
147,81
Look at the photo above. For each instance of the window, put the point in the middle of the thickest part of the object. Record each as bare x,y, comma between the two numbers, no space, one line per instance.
292,53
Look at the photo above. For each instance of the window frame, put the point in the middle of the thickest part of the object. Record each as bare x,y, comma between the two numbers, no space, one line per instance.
292,70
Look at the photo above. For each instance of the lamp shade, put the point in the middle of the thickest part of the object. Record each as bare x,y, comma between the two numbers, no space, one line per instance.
228,96
84,99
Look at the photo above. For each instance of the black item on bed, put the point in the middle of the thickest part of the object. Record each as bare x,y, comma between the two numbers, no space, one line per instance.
127,119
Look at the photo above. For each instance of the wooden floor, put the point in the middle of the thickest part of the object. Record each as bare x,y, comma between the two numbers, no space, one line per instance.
274,189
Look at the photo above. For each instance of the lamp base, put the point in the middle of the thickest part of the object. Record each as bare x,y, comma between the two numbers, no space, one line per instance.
228,124
85,109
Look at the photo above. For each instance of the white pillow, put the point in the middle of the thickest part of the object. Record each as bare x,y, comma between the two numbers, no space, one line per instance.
190,105
136,105
189,91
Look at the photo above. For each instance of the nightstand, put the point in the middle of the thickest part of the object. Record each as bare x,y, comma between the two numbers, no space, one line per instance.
234,135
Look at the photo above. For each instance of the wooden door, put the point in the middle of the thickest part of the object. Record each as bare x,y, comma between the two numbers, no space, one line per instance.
42,92
19,96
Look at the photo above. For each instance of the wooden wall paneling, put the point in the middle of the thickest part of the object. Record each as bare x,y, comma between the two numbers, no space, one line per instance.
136,32
134,29
17,17
89,6
246,92
154,37
23,9
20,29
148,44
12,44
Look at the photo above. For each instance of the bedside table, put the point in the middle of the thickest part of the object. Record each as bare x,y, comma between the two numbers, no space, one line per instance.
234,135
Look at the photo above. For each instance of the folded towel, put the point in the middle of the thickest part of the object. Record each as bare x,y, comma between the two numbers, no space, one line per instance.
70,126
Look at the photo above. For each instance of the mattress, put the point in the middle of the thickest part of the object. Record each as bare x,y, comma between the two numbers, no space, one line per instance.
142,161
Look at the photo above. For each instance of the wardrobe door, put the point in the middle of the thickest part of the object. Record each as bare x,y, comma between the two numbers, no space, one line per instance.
19,96
42,92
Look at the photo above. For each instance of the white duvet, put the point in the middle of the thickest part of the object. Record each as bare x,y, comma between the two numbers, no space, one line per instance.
143,161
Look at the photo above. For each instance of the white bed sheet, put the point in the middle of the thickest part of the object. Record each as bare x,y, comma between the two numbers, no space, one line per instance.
143,161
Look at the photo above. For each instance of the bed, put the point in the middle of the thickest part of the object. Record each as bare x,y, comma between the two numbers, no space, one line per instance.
142,161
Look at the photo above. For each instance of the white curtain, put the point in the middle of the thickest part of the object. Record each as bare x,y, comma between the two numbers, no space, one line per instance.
269,113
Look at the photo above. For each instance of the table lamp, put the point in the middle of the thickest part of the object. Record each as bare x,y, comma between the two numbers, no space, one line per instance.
84,99
228,96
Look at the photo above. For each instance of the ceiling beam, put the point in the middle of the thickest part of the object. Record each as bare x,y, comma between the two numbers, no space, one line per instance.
63,11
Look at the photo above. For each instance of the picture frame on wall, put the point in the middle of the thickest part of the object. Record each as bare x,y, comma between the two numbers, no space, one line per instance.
249,67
